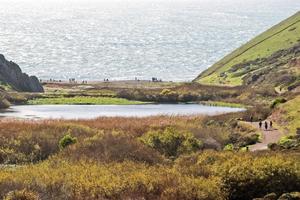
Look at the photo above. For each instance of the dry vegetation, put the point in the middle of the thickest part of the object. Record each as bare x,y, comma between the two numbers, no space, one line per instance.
139,158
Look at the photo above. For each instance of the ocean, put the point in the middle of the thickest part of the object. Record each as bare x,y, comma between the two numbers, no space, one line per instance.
173,40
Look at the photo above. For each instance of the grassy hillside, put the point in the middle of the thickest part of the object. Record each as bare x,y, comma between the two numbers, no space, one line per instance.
282,36
287,116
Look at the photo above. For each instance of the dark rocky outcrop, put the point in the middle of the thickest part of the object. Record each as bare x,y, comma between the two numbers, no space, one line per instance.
4,103
12,75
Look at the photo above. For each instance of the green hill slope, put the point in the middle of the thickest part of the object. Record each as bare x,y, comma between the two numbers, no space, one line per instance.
282,36
287,116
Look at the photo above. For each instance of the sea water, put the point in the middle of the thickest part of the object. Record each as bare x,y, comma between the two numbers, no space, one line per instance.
123,39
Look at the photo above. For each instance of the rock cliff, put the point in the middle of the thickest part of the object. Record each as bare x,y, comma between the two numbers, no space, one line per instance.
12,75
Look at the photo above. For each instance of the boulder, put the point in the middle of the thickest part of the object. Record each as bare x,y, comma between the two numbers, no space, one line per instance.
12,75
4,103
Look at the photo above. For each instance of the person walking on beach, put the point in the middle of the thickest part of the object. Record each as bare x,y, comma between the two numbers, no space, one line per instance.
260,124
266,125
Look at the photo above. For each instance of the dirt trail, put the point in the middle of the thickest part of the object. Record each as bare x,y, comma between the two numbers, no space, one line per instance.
272,135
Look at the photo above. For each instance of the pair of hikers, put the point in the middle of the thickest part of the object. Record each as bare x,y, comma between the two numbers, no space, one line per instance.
266,124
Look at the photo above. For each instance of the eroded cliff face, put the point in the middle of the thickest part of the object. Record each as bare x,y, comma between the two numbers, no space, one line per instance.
11,74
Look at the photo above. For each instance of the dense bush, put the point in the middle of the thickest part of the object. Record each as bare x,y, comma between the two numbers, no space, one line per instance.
21,195
257,112
171,142
248,140
58,179
182,93
286,142
67,140
208,175
277,102
141,158
229,147
246,177
115,147
23,142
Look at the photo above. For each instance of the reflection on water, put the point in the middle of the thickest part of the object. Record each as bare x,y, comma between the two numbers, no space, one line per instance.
93,111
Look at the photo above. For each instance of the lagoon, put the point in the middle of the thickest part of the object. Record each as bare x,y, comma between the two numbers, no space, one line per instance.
94,111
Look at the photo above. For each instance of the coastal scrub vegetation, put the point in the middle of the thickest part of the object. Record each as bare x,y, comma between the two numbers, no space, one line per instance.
208,175
287,116
161,157
171,143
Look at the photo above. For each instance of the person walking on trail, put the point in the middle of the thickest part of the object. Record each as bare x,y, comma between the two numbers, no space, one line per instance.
266,125
260,124
271,124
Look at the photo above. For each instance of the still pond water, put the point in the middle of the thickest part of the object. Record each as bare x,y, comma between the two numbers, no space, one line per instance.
93,111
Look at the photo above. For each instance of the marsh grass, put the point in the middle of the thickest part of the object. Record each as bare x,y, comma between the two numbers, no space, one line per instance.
83,100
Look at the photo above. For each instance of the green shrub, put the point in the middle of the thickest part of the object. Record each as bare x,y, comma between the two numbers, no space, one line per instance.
66,141
249,140
166,92
244,149
246,177
229,147
171,142
277,102
115,147
288,142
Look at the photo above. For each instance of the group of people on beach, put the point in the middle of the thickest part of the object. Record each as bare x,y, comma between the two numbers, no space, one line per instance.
74,81
71,80
50,81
